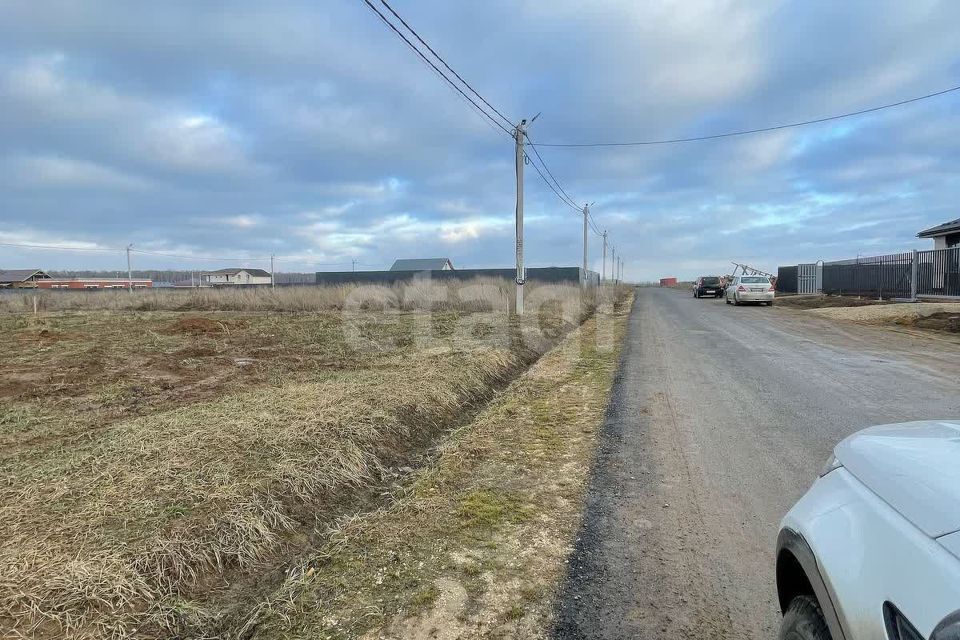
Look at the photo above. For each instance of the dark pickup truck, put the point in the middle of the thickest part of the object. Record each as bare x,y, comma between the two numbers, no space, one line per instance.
707,286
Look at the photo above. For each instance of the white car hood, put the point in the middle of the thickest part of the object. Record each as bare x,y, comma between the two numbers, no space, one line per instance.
914,467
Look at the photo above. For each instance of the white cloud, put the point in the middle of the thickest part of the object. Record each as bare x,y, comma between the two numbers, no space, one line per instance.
197,144
56,172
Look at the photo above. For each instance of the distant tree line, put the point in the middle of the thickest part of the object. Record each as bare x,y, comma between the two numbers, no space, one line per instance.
172,275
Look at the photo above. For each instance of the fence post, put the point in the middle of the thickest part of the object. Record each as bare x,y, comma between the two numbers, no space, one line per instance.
880,279
914,276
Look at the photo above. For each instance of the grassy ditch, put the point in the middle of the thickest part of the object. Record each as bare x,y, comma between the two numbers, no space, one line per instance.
160,469
476,544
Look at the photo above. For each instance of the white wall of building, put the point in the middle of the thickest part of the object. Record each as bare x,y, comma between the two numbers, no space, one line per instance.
240,278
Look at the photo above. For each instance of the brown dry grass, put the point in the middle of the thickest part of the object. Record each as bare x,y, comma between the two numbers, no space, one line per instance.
156,518
475,546
474,295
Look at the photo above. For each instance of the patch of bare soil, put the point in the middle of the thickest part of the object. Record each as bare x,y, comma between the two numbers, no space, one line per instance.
949,322
820,302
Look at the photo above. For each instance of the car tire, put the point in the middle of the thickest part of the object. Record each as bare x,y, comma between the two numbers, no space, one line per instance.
736,300
770,304
727,298
803,620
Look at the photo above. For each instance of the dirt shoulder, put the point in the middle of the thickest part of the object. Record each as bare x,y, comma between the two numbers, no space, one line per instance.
804,301
476,544
904,313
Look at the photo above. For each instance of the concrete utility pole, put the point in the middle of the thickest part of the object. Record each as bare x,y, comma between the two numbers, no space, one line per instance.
518,136
586,215
271,271
603,269
613,264
354,264
129,270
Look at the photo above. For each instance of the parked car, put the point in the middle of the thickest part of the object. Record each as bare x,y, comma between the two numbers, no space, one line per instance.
707,286
750,289
873,548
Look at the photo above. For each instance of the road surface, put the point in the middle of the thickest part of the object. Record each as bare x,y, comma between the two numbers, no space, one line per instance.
720,419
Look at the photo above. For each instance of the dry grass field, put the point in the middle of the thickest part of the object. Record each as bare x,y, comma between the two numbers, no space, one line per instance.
165,455
476,544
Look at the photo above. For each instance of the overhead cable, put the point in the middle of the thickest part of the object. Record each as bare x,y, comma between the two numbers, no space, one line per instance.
731,134
444,62
420,53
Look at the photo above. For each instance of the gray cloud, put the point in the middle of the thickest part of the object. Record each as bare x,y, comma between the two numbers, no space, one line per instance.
308,130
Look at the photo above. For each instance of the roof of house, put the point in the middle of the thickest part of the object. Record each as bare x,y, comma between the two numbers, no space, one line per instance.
421,264
233,272
941,229
20,275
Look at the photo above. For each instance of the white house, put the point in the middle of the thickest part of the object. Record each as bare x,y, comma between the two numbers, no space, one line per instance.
944,235
223,277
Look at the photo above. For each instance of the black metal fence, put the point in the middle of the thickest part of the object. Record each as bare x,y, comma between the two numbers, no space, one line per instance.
787,279
938,272
886,276
558,275
933,273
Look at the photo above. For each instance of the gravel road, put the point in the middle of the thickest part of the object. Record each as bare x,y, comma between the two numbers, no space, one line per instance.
720,419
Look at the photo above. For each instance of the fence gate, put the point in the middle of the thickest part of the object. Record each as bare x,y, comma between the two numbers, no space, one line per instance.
809,278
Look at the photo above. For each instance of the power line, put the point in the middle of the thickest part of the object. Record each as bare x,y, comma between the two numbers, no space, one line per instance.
749,131
569,200
550,173
435,67
312,263
593,224
552,188
201,258
444,62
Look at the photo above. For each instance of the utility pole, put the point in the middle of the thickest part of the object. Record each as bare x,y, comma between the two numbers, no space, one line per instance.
354,264
518,135
129,270
603,269
613,264
586,215
272,280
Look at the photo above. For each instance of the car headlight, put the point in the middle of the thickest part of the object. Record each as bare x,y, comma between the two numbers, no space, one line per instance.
832,463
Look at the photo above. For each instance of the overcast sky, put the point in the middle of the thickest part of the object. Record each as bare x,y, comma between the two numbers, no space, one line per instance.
307,129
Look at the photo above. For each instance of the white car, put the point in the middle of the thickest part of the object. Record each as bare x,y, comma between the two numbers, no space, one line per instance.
872,551
750,289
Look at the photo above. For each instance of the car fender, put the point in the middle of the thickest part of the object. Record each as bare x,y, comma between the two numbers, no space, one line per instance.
789,541
866,554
